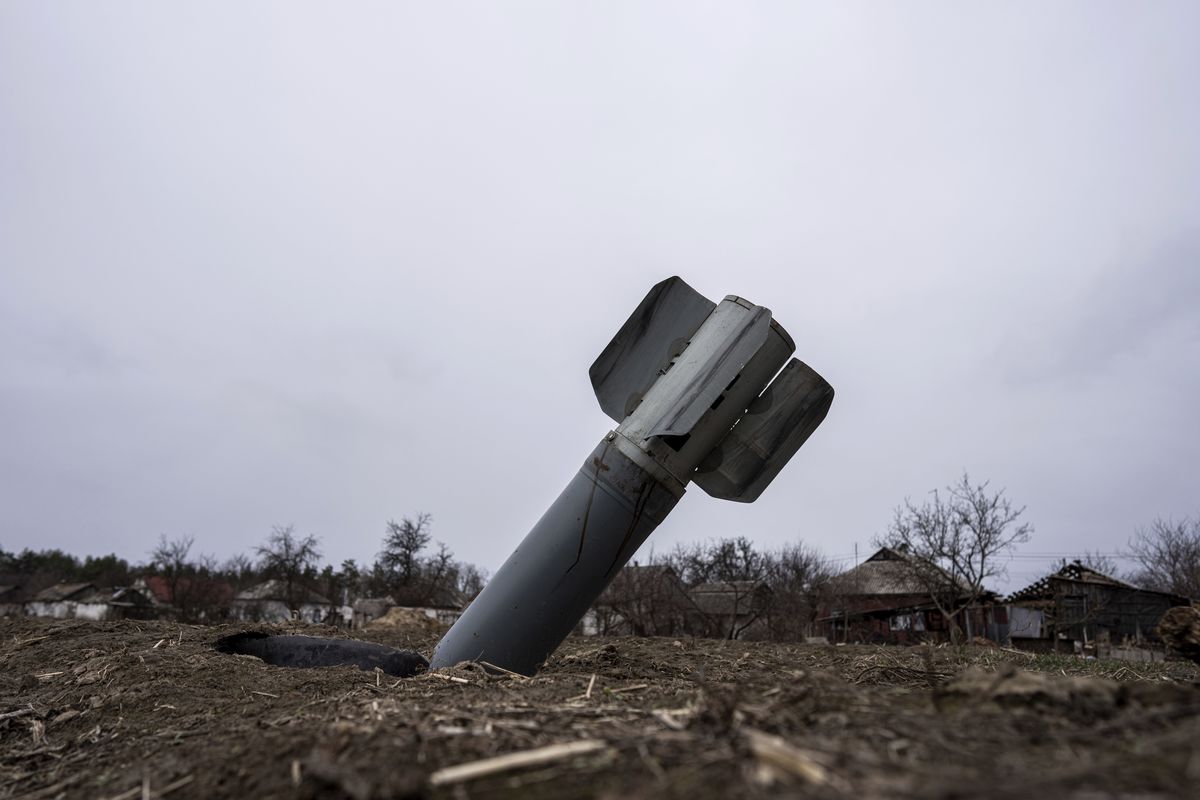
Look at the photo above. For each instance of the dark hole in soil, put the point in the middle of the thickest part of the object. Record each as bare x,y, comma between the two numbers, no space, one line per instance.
312,651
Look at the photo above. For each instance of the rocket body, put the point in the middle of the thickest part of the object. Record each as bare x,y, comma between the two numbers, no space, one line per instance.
545,587
698,391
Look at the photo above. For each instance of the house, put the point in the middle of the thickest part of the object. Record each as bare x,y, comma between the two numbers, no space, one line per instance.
731,609
653,601
641,601
69,600
86,601
11,603
1077,606
269,602
198,598
130,603
883,600
368,609
443,606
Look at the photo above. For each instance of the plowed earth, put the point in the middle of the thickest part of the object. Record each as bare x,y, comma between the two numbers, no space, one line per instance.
148,709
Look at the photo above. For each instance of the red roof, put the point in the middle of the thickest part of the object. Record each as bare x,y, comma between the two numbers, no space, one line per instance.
212,589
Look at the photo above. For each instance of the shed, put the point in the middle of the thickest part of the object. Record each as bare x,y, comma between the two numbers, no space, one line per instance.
131,603
368,609
1078,604
645,600
70,600
733,609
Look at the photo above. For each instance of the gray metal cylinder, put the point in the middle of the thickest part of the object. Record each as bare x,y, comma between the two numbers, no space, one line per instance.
545,587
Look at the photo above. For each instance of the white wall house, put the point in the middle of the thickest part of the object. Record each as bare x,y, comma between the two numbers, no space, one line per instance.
70,601
267,602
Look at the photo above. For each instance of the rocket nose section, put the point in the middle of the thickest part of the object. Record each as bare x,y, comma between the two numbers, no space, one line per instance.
775,426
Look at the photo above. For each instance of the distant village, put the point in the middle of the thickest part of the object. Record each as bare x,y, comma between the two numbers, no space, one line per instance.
721,589
1074,609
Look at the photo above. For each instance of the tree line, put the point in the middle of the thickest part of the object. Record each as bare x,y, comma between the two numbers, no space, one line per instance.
953,543
957,540
722,588
409,568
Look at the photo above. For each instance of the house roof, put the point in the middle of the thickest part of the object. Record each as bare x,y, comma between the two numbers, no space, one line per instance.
65,591
886,572
187,586
729,597
1075,572
642,582
129,597
447,597
158,587
277,590
374,605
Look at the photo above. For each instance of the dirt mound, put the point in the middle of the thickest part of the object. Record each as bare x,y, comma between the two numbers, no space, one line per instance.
1180,629
407,619
1012,688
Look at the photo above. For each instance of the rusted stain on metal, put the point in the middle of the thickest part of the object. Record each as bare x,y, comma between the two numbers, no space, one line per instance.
598,462
638,507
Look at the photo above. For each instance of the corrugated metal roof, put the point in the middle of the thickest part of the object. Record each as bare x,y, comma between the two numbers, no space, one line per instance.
729,597
277,590
64,591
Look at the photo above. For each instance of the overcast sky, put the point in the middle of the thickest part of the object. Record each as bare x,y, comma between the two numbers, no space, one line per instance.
331,264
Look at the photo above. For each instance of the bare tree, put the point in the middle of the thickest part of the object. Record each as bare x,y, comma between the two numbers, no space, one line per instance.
1168,556
645,599
719,560
471,580
290,559
351,578
731,574
799,577
240,571
193,585
953,541
169,559
441,570
722,588
403,543
416,579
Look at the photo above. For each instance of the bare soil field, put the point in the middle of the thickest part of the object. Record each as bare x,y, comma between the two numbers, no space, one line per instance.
148,709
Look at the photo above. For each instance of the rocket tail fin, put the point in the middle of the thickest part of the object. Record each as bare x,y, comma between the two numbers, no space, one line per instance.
657,331
775,426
